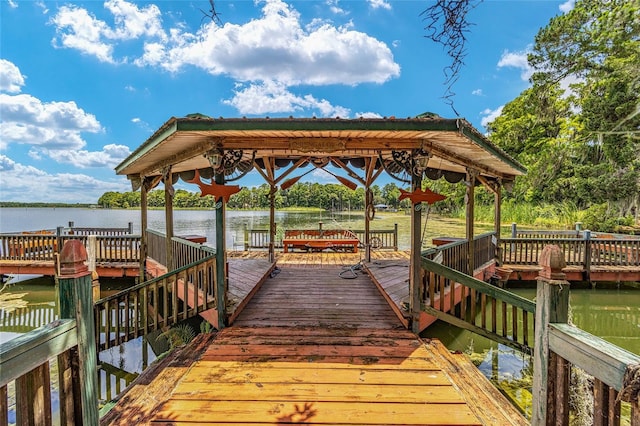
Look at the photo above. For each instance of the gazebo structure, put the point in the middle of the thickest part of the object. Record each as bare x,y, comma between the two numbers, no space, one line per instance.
223,150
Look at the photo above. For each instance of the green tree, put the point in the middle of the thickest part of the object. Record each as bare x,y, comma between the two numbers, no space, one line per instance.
580,145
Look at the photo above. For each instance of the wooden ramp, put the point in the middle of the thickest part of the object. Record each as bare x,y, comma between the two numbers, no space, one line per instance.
314,348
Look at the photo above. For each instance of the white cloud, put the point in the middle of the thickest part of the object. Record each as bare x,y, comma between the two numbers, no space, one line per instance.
516,60
335,8
277,47
489,115
54,129
270,54
77,29
477,92
567,6
322,176
272,97
66,187
11,79
110,156
12,4
379,4
53,125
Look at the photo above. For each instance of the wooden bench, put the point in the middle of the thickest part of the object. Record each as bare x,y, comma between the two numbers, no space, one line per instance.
318,240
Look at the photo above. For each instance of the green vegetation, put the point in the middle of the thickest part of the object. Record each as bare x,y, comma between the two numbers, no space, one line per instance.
581,144
307,196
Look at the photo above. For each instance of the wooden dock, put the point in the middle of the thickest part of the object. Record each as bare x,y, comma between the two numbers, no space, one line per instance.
312,347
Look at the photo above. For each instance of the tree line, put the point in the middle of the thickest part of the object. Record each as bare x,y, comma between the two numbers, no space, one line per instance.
302,194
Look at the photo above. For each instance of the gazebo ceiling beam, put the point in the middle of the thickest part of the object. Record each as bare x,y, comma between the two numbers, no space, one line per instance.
457,159
195,151
291,169
349,171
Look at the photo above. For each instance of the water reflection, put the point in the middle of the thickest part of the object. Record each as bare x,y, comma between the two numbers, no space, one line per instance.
611,314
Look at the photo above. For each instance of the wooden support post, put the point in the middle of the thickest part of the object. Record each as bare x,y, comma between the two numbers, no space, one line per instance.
395,236
168,215
246,237
497,198
76,303
272,223
415,299
92,250
550,377
470,217
144,217
221,259
587,255
368,206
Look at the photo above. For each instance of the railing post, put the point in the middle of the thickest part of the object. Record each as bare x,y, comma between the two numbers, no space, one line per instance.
514,230
550,374
395,236
76,303
587,255
130,230
246,237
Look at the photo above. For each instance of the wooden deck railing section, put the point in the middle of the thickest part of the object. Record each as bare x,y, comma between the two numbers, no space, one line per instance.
156,304
484,309
455,254
184,252
379,239
581,248
25,360
514,321
112,244
559,347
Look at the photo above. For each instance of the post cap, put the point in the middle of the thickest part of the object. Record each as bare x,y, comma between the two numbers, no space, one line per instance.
72,258
552,263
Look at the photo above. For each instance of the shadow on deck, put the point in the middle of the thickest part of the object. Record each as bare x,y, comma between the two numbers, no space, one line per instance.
311,347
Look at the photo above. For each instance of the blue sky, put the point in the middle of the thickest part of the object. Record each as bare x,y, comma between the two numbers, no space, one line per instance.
84,83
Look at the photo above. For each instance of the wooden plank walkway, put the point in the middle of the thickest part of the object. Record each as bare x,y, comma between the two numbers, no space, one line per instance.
313,348
391,276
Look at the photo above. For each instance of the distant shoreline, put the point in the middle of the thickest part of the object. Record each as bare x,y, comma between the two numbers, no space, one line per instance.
66,205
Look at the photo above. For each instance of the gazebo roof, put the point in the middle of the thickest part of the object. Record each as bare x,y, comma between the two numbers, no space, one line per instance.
452,144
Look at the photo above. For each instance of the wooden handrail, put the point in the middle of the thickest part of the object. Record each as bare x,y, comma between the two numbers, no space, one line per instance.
504,317
156,304
25,359
23,353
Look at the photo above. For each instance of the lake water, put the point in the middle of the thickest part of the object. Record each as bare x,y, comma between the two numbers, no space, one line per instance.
611,314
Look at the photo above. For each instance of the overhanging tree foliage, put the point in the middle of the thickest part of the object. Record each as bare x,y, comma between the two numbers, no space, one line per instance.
580,141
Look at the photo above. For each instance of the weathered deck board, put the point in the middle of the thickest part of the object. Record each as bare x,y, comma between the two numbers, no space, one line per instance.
246,276
352,362
308,297
392,278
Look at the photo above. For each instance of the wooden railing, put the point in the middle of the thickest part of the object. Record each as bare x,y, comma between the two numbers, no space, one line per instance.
561,348
384,239
112,244
184,251
25,360
460,300
455,255
474,305
156,304
157,246
579,251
